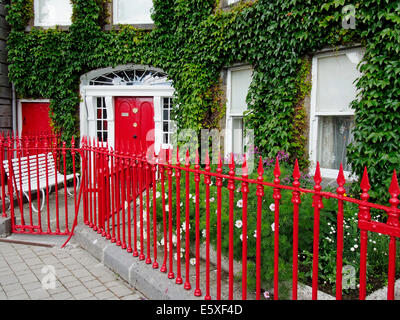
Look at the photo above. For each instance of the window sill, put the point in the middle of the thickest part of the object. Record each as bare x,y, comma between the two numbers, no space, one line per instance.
58,27
143,26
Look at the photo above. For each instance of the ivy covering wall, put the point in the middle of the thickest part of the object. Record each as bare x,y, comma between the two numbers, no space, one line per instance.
193,40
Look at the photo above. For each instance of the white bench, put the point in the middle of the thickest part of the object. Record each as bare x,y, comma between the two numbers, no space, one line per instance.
23,179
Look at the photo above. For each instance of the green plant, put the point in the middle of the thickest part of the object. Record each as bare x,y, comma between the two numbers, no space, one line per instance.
193,40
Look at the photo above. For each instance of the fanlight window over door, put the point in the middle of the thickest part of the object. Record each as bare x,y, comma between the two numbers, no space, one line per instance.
131,77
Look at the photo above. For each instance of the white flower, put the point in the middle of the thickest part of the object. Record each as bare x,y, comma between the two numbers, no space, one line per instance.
184,227
239,203
192,261
352,249
158,194
203,233
176,256
272,207
166,207
190,196
212,199
238,223
273,226
355,246
174,239
255,234
266,294
241,237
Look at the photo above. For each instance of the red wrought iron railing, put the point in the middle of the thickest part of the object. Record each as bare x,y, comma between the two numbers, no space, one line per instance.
183,217
31,168
144,204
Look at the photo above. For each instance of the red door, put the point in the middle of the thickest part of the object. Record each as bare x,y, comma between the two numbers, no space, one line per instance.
134,123
35,118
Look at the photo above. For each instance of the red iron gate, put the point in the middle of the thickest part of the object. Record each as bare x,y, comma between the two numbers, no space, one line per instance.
36,186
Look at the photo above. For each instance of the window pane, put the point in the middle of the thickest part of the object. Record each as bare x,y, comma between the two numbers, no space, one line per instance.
334,135
166,114
133,11
52,12
237,135
241,80
335,87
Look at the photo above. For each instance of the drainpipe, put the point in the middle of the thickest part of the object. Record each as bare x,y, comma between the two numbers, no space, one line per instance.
14,109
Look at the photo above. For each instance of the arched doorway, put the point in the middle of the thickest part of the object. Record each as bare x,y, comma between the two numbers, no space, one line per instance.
123,105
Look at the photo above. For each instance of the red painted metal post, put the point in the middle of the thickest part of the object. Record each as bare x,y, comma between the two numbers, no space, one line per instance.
21,207
171,274
108,191
178,219
90,182
260,195
117,195
154,182
64,153
37,187
10,184
129,199
123,193
74,171
148,182
245,191
56,186
393,221
364,215
219,185
276,196
134,196
187,284
317,205
84,182
140,176
162,173
231,188
207,182
296,200
47,187
95,184
197,291
29,180
113,196
339,240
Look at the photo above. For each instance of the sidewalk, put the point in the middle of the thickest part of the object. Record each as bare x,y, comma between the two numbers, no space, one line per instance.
28,272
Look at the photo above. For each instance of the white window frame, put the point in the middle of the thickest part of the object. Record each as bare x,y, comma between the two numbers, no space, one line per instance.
314,117
37,20
229,115
115,16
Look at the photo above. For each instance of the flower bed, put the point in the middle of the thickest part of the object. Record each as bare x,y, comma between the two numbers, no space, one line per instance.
377,262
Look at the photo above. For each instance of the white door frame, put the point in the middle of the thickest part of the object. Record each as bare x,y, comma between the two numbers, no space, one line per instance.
89,94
